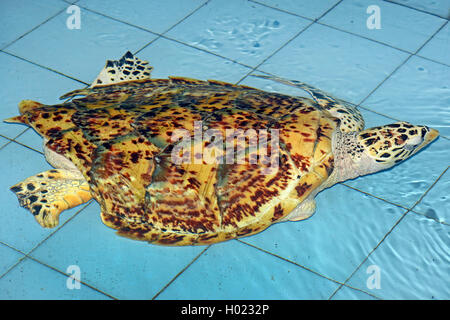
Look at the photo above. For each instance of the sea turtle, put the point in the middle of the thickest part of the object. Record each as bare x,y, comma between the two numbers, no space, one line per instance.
137,145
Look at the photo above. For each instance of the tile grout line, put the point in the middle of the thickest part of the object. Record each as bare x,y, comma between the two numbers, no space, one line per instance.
287,42
326,12
357,35
388,233
37,26
364,37
183,44
44,67
32,29
185,268
396,204
395,3
401,64
70,2
346,185
180,272
26,256
238,82
217,55
16,263
173,26
416,9
305,268
203,251
351,103
42,240
160,35
282,10
432,60
273,53
60,227
254,69
228,59
68,276
390,75
29,256
349,32
117,20
415,53
10,140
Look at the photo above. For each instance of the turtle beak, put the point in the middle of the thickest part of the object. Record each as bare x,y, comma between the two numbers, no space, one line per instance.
428,135
431,135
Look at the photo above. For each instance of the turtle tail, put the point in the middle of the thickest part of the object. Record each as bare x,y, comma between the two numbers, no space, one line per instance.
16,119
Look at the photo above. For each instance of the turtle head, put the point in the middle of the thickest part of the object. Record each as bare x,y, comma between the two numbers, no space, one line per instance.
390,144
379,148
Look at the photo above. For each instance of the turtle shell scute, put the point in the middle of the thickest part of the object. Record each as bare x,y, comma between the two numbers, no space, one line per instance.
121,138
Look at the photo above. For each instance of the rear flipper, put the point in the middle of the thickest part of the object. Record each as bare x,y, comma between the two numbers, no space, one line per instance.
49,193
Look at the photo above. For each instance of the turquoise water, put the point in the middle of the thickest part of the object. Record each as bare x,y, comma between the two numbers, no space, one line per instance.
383,236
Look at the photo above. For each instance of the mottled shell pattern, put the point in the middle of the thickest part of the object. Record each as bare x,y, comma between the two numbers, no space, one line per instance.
120,137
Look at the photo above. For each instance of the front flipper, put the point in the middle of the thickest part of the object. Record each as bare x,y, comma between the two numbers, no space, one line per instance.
49,193
351,118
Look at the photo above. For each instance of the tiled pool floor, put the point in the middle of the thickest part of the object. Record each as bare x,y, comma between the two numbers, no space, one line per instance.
383,236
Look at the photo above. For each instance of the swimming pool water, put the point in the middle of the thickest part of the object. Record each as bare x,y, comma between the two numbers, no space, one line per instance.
382,236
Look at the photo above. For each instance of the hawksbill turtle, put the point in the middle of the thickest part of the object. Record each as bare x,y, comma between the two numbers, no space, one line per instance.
117,143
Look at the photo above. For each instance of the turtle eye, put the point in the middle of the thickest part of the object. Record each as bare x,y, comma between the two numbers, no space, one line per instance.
413,143
425,130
